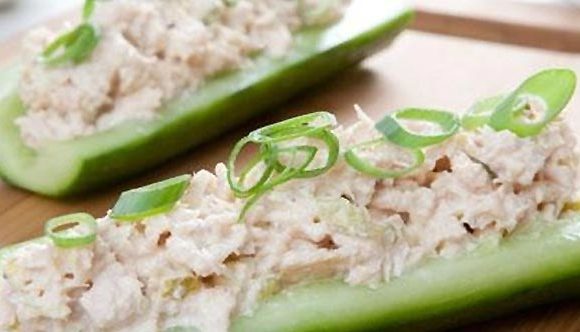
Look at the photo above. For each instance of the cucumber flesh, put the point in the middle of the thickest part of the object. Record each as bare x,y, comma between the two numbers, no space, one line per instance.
536,267
69,167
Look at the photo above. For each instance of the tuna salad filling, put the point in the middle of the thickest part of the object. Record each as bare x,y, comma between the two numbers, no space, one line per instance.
222,248
137,55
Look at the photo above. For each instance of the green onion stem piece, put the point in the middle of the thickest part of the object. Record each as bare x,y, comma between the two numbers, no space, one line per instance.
182,329
391,127
72,47
274,145
73,230
286,174
478,115
157,198
353,158
290,171
550,90
238,186
333,149
299,126
230,3
88,9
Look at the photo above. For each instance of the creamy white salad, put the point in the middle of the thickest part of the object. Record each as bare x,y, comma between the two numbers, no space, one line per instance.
150,52
213,257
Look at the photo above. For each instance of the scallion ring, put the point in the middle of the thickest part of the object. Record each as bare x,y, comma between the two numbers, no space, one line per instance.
293,168
353,158
70,231
478,115
392,128
230,3
182,329
157,198
281,156
88,9
288,172
332,152
262,158
535,103
299,126
72,47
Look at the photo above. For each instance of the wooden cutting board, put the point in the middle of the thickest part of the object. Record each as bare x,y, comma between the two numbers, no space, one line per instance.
552,25
419,70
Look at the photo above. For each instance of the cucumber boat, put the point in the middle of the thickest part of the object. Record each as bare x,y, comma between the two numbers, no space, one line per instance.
61,168
538,266
424,220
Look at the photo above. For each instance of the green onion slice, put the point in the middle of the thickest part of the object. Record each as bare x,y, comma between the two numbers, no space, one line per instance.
300,126
478,115
70,231
150,200
395,131
354,159
72,47
295,166
88,9
332,148
281,156
182,329
535,103
263,158
290,170
230,3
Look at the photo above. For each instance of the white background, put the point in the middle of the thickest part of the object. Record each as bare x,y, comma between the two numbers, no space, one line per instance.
19,15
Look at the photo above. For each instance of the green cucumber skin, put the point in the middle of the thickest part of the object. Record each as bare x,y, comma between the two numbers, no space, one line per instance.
524,271
86,164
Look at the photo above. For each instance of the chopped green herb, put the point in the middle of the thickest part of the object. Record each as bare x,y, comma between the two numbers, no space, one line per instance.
72,47
73,230
535,103
394,131
354,159
277,160
157,198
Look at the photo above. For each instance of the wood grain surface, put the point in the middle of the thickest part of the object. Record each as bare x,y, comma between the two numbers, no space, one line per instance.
549,26
419,70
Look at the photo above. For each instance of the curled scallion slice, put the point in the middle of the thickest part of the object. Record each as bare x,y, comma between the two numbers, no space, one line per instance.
75,46
88,9
295,167
230,3
353,158
293,128
72,47
478,115
535,103
282,155
150,200
73,230
332,152
182,329
393,129
263,159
